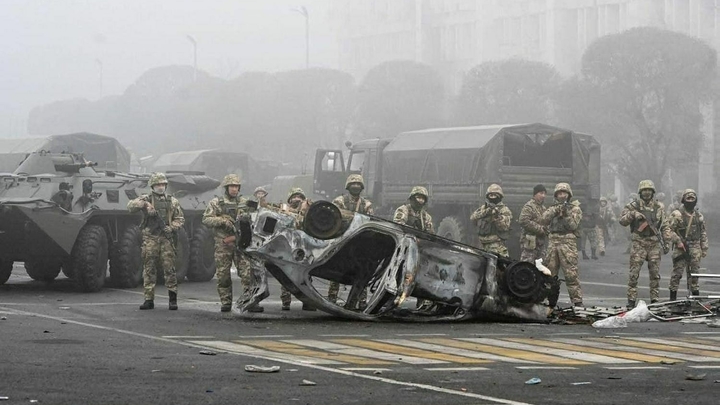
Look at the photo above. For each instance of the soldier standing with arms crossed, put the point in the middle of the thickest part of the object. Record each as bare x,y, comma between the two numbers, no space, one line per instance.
162,217
493,221
563,219
533,235
689,226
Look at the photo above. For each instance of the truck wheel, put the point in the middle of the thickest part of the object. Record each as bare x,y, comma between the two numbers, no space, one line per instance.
90,258
43,269
452,228
6,267
182,255
126,259
202,255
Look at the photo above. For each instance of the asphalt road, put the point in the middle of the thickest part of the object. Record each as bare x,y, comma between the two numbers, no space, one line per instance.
65,347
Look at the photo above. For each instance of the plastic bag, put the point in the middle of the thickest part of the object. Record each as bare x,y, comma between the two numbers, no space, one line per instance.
640,313
611,322
540,266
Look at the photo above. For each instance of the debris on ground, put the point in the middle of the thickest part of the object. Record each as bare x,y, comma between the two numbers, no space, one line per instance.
251,368
581,383
638,314
533,381
207,352
4,398
696,377
307,383
377,372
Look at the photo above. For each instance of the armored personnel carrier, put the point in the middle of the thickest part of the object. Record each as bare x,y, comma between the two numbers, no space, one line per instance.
57,213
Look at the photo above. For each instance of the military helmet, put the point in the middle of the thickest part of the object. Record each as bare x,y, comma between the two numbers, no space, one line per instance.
613,198
603,199
260,189
646,184
660,196
687,192
419,190
295,191
157,178
231,180
494,188
563,187
354,178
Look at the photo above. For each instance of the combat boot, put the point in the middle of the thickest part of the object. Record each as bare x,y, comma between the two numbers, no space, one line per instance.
673,295
602,253
695,292
585,256
148,304
631,304
593,255
225,307
173,301
578,304
285,306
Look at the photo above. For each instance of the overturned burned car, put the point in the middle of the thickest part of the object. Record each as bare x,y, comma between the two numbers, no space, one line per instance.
307,251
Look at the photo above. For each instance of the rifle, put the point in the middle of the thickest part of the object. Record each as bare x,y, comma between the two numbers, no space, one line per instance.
653,228
159,229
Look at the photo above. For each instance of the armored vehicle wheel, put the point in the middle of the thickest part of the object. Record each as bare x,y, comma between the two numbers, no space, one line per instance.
43,269
90,258
202,255
452,228
126,265
6,267
182,255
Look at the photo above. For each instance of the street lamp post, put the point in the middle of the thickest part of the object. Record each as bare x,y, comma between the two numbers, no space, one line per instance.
194,44
304,12
100,67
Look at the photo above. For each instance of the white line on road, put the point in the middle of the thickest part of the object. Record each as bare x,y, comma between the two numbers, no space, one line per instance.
263,336
189,337
651,352
637,368
361,352
364,369
706,367
341,335
286,361
570,354
421,334
238,348
702,333
457,369
546,368
454,351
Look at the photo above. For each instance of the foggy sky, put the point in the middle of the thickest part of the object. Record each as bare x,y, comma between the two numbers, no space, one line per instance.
53,49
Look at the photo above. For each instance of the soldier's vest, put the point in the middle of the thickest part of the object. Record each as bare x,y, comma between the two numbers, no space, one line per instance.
650,213
486,227
415,220
229,207
693,234
559,226
162,207
588,221
357,206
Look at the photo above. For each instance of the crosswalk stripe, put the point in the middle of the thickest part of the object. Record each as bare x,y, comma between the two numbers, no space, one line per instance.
244,349
682,344
302,351
575,355
450,350
605,352
602,343
702,340
665,348
390,348
356,351
505,354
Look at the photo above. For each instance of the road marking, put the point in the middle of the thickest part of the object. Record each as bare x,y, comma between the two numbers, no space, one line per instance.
601,343
706,367
457,369
507,354
666,348
189,337
676,343
238,348
450,350
341,335
355,351
545,368
575,355
575,346
277,346
421,334
703,333
202,345
409,351
263,336
364,369
635,367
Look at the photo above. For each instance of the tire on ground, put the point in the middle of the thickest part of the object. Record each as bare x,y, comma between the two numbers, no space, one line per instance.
202,255
89,258
6,267
126,265
452,227
43,269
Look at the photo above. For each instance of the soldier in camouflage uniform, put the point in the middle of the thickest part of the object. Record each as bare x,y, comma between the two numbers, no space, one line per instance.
588,226
414,213
646,216
614,227
355,203
220,216
493,221
162,217
297,204
689,226
533,235
633,197
606,219
563,220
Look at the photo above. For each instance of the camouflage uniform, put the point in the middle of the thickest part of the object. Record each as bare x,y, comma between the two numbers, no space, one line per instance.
158,247
533,235
355,204
606,218
563,221
493,222
220,216
689,226
300,209
588,226
409,216
418,219
645,244
614,230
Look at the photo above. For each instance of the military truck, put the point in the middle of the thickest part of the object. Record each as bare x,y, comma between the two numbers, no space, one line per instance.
458,164
57,213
